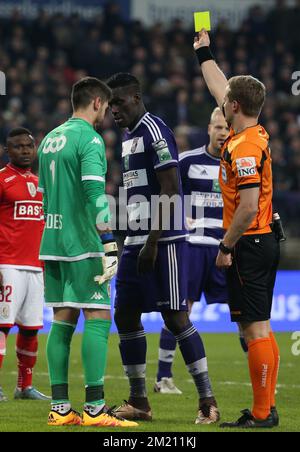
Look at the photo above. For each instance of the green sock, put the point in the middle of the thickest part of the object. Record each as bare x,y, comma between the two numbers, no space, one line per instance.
94,356
58,352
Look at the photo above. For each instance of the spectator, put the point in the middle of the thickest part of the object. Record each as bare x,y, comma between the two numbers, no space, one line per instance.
41,61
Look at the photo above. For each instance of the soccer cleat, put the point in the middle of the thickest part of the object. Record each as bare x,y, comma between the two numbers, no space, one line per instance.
3,397
166,386
275,416
248,421
128,412
207,414
105,418
29,393
56,419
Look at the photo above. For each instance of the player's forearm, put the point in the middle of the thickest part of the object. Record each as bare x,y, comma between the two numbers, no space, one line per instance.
241,221
156,227
215,80
97,204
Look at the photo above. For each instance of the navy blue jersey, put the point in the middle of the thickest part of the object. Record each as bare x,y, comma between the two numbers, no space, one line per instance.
148,148
199,173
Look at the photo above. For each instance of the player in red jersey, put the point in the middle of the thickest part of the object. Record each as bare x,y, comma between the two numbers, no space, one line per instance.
21,272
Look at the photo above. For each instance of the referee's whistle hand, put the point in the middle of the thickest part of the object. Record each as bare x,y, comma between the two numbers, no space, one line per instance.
223,260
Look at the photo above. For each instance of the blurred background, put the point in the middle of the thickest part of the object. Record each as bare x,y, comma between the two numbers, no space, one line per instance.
45,46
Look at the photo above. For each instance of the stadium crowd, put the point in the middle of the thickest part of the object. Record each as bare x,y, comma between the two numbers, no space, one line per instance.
44,56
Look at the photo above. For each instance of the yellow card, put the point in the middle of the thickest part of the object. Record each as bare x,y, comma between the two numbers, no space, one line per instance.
202,20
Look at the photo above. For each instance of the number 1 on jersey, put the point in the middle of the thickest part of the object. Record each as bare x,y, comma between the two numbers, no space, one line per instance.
52,169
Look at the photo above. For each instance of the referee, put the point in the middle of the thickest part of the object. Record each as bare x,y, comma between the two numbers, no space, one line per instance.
249,251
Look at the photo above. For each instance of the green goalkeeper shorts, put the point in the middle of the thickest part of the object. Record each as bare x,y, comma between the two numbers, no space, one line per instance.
71,284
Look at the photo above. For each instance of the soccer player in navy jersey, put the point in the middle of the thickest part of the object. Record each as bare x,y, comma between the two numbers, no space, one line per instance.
152,275
199,170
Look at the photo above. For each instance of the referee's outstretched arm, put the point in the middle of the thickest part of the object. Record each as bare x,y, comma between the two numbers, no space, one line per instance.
213,76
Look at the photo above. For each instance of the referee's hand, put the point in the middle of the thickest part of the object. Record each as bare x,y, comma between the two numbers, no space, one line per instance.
223,260
201,40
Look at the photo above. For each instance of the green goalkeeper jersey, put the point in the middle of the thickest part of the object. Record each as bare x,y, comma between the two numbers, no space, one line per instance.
69,155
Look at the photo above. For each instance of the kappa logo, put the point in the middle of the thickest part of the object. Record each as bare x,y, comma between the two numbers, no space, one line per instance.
96,141
97,296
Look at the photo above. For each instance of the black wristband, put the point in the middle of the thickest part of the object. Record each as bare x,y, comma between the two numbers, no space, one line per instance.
204,54
225,248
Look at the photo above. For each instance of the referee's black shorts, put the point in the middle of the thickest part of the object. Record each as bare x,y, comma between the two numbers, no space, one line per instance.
251,278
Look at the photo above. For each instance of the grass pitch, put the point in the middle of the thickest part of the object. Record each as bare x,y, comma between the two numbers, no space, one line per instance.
172,413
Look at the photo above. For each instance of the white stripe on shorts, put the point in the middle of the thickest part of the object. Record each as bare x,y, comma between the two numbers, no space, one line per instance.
170,277
173,277
176,277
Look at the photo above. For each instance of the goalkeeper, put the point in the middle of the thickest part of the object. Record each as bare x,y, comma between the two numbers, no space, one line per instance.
79,251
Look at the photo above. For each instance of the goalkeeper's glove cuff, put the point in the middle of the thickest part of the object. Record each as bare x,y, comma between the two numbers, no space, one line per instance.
110,260
110,249
109,244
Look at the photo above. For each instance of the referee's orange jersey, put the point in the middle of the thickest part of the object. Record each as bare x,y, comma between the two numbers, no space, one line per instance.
246,163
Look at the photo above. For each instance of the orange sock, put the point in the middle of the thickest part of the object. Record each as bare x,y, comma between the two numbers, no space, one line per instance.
261,366
276,353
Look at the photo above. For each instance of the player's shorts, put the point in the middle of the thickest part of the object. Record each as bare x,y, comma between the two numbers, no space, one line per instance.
163,289
251,278
71,284
22,299
204,276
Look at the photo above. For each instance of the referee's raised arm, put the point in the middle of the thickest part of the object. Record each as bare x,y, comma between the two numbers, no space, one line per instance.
249,251
213,76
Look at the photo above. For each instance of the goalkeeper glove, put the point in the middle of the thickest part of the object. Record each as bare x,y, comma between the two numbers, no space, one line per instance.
110,260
